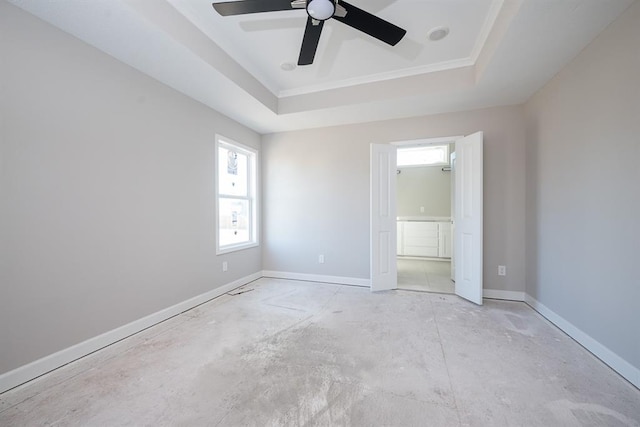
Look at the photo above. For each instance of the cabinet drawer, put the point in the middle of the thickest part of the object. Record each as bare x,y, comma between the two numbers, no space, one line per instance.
431,242
421,229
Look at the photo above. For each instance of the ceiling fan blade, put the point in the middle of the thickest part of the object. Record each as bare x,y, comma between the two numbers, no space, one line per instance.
370,24
310,41
228,8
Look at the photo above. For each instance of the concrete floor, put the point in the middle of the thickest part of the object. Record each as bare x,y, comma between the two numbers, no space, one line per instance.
298,353
425,275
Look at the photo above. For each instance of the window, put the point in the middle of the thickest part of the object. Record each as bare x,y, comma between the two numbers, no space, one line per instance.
424,155
236,184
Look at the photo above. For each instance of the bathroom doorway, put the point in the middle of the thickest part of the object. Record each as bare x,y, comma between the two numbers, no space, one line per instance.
467,227
424,192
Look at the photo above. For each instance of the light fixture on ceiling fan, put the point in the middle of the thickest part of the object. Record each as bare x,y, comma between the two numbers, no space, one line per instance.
318,11
321,10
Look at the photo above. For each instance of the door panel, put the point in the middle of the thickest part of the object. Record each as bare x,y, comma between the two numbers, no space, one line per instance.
468,217
453,216
384,273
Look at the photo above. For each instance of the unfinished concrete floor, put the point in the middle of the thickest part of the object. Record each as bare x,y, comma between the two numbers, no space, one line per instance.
297,353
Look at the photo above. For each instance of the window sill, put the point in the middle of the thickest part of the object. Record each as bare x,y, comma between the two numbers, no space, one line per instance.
236,248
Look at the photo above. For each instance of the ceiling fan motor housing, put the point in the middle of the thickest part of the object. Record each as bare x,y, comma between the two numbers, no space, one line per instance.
321,10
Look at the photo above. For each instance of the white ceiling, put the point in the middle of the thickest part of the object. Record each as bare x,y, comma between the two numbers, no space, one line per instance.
498,52
262,42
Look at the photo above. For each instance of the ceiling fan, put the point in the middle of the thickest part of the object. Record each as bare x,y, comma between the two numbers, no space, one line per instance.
318,11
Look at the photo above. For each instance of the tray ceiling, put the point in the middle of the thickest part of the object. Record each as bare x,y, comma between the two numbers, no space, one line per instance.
497,52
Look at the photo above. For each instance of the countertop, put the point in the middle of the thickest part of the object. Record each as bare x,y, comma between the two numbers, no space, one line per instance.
424,218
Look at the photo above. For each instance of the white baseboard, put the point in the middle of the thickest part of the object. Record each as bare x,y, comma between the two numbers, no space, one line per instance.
353,281
615,362
500,294
39,367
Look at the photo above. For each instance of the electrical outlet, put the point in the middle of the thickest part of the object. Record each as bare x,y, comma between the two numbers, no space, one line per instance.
320,259
224,266
502,270
421,209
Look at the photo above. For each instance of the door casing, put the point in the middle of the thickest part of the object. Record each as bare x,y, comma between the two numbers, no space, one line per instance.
393,201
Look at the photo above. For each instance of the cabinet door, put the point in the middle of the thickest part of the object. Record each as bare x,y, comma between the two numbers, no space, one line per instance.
444,240
420,238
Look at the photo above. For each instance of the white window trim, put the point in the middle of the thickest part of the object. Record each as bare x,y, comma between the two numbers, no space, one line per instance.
430,145
253,186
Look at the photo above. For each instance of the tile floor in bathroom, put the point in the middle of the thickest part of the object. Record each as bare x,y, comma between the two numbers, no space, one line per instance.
425,275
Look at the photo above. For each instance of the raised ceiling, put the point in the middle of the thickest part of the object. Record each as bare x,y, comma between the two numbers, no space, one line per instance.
498,52
262,42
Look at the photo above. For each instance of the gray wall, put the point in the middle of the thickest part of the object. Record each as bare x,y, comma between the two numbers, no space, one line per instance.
424,186
106,193
583,201
316,197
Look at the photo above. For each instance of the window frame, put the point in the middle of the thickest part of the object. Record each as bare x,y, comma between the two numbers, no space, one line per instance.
253,185
426,146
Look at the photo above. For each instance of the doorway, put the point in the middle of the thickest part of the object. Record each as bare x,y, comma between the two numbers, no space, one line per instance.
423,206
467,224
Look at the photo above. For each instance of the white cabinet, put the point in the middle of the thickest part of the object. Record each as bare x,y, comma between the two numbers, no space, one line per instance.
424,238
444,240
420,238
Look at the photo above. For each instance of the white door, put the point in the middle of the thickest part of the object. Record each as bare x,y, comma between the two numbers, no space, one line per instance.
384,273
453,213
468,218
